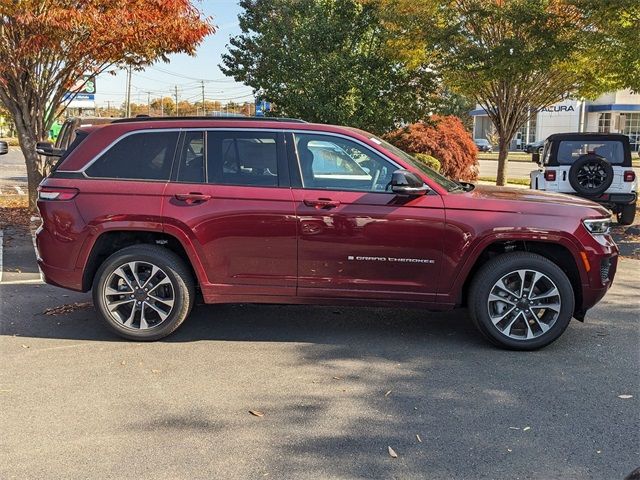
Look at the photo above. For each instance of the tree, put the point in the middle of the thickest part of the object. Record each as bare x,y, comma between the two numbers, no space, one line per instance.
514,57
47,45
443,138
327,61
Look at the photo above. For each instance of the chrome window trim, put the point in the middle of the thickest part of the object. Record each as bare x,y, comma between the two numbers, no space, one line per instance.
232,129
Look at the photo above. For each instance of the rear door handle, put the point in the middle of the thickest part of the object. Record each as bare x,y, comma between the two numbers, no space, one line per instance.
322,203
193,197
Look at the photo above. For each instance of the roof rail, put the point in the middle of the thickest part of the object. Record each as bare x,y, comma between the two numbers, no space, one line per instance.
232,119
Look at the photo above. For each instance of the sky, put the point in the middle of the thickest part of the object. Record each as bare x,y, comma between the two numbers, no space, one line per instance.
183,70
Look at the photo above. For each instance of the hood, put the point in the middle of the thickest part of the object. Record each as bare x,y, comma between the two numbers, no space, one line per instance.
523,200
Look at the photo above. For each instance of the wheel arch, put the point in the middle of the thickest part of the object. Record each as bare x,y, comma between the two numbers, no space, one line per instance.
558,253
110,241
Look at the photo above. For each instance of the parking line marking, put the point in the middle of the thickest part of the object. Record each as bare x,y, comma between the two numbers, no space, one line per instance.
1,253
31,281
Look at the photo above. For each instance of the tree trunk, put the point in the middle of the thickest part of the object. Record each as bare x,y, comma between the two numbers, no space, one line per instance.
503,146
28,140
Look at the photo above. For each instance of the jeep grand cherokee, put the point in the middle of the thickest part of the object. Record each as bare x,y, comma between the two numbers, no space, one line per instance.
148,212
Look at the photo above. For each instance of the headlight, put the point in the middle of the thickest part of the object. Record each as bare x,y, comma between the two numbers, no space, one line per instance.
598,226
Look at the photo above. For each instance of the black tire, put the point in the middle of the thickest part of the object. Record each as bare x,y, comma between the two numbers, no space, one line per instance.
490,273
587,165
170,265
627,214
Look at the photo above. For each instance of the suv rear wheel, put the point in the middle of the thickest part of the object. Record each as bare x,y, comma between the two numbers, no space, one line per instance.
521,301
626,214
143,292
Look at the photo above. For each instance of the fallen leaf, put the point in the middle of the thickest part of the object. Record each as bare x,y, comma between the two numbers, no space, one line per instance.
25,346
625,396
598,451
67,308
514,428
123,362
256,413
155,371
509,450
388,393
337,378
526,428
393,453
418,438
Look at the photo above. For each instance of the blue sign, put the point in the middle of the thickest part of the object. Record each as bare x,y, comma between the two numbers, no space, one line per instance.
87,97
262,107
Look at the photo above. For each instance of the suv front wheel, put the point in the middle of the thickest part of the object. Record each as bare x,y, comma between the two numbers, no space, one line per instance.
521,301
143,292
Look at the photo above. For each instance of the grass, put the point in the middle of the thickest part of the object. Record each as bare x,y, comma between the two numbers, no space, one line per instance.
513,181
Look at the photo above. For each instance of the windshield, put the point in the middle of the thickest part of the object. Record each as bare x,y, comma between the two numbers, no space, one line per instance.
481,141
444,182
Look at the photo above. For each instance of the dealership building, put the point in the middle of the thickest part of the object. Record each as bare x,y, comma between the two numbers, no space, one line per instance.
617,112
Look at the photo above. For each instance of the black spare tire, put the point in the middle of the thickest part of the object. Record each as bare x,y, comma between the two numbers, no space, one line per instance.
591,175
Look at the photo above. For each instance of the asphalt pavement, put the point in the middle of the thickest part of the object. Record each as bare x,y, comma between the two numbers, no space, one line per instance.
336,388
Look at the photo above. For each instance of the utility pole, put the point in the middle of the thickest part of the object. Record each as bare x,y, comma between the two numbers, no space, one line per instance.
204,111
128,109
108,108
149,103
176,100
161,106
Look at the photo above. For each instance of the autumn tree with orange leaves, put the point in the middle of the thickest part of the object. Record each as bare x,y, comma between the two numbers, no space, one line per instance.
47,45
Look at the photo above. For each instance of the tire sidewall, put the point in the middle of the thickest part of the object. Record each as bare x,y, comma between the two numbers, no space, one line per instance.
492,272
183,299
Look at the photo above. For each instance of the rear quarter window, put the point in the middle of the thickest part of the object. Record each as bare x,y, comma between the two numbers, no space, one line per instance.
139,156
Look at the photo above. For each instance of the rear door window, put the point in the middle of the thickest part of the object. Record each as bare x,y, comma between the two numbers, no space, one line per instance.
139,156
242,158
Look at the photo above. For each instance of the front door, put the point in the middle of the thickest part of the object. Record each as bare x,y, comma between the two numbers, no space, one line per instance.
230,195
356,239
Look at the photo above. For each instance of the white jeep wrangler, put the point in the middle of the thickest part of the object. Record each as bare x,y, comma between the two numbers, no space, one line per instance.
596,166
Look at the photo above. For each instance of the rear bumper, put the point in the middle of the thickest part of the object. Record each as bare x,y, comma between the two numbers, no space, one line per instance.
70,279
612,199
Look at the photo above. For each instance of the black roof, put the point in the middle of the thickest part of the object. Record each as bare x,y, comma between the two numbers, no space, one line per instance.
208,119
588,135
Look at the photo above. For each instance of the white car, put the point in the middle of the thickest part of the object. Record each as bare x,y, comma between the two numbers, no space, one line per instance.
596,166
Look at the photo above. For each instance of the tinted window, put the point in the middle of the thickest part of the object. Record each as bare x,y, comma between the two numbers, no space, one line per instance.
141,156
80,136
340,164
570,150
242,158
191,164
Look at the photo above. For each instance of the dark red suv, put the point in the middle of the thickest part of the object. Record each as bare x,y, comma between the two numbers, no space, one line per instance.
147,212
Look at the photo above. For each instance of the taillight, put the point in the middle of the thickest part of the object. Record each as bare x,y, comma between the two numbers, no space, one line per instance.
56,193
629,176
550,175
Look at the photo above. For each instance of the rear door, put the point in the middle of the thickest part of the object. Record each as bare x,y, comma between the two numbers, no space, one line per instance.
356,238
230,196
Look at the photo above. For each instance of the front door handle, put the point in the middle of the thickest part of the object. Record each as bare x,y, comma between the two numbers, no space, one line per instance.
322,203
192,198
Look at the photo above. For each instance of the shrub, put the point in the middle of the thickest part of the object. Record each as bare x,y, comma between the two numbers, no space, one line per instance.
428,160
444,138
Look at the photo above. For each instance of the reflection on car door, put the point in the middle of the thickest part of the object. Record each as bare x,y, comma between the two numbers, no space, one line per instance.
231,193
355,238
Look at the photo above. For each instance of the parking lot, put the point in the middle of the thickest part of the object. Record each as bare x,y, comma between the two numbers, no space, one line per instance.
331,389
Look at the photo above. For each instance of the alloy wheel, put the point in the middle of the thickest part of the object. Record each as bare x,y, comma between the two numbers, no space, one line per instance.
139,295
524,304
591,176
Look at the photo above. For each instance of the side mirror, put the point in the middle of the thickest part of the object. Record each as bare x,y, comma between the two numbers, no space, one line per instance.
46,149
535,157
404,182
4,148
